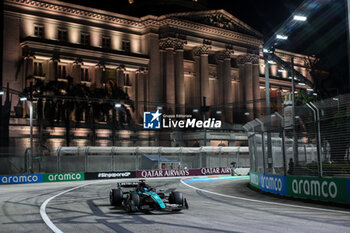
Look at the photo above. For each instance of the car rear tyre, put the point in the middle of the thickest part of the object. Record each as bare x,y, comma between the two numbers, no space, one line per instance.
116,197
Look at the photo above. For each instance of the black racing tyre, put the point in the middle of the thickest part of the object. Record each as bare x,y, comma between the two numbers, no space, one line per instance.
133,203
176,198
116,197
135,198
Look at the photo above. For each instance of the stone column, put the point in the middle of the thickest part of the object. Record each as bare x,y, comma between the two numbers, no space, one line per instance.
29,66
228,95
167,44
53,63
256,89
179,77
76,72
140,94
203,52
99,76
155,87
120,77
246,70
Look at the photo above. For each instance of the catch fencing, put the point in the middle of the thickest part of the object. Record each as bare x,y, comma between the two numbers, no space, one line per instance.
110,159
316,142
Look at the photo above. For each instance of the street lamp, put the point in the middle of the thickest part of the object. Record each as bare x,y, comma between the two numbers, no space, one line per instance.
300,18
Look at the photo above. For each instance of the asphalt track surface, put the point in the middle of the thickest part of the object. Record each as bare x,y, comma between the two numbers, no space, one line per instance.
87,209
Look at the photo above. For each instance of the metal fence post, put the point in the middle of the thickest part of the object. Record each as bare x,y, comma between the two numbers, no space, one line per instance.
283,131
112,159
262,142
315,111
58,160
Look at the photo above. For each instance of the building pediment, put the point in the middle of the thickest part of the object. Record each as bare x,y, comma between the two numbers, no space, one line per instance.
219,19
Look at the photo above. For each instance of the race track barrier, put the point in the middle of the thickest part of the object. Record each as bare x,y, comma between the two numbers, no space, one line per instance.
335,190
77,176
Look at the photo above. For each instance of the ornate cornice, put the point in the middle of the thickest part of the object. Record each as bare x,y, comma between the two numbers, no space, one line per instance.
69,9
248,58
143,24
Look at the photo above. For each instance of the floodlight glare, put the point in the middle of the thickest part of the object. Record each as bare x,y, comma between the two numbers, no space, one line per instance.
23,98
300,18
310,89
301,84
195,110
117,105
281,37
246,113
218,112
315,94
335,99
1,92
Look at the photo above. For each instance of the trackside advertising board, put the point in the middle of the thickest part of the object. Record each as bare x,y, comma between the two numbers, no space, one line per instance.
183,172
254,179
109,175
21,179
71,176
273,184
324,189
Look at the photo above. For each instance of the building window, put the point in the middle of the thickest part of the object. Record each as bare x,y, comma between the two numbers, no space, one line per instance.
62,35
85,74
106,42
126,46
85,39
39,31
38,69
62,72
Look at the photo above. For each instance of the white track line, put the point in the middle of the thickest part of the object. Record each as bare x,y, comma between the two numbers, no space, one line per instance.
43,213
55,229
265,202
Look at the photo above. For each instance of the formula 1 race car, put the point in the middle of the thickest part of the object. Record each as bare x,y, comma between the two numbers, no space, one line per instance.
142,197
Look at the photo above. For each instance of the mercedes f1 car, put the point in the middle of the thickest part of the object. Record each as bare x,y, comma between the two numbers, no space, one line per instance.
142,197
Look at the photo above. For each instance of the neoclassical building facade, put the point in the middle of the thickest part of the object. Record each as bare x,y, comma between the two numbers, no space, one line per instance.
171,61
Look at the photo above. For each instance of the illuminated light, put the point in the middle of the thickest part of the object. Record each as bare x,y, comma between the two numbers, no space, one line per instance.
1,92
315,94
335,98
310,89
247,113
195,110
297,117
23,98
281,70
42,57
301,84
267,50
300,18
159,107
118,105
281,37
270,62
66,60
218,112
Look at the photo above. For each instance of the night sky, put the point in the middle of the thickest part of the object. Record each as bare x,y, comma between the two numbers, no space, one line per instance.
324,35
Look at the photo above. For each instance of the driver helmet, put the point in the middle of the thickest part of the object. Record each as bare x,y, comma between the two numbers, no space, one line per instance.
145,189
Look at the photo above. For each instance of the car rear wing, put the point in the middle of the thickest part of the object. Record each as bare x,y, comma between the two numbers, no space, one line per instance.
127,184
